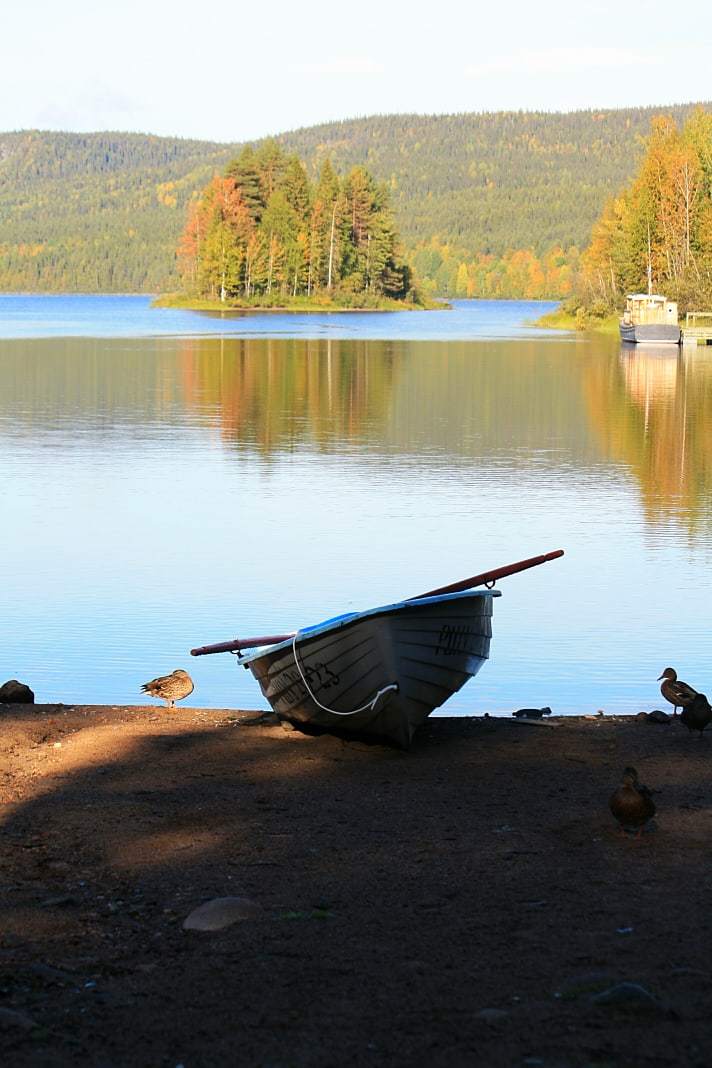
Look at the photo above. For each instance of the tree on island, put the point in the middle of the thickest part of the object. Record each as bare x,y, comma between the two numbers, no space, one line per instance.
262,232
657,231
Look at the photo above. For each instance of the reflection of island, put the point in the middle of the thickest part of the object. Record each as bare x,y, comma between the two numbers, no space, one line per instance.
438,402
653,411
431,409
278,394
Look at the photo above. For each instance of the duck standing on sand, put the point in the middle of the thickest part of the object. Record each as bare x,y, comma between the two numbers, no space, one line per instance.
631,803
697,714
171,688
678,693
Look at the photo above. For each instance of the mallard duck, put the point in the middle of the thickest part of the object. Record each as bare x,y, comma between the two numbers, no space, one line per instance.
171,688
631,803
678,693
697,714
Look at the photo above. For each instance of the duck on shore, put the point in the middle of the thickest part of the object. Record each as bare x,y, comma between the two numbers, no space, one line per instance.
171,688
678,693
631,803
697,714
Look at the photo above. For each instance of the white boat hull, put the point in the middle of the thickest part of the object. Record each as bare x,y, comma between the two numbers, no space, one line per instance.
381,672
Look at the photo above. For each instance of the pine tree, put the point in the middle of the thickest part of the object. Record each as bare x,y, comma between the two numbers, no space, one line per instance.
271,163
323,230
245,173
280,225
260,230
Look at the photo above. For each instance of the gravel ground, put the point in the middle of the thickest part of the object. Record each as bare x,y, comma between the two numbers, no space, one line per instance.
470,902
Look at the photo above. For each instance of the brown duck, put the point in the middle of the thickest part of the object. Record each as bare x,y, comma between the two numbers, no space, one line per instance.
678,693
171,688
631,803
697,714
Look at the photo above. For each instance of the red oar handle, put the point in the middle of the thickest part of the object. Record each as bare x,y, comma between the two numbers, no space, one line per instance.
240,643
455,587
492,576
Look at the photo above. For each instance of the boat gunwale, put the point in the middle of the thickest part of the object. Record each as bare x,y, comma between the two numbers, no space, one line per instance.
347,620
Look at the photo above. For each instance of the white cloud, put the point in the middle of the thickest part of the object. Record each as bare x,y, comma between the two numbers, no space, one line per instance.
340,65
92,106
560,61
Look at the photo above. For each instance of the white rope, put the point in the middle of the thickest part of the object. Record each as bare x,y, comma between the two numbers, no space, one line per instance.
364,708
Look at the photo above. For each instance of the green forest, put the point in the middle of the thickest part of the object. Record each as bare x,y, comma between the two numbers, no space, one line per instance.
657,231
486,204
262,232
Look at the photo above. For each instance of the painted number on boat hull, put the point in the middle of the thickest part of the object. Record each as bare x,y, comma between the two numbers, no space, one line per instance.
456,639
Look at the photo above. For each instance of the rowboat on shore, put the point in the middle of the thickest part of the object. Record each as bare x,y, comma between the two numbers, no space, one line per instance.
381,672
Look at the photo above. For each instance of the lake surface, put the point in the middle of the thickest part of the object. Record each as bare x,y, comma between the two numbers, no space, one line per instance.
171,479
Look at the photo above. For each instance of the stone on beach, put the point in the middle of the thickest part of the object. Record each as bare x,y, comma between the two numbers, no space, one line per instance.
532,713
11,1020
13,692
629,997
221,912
492,1016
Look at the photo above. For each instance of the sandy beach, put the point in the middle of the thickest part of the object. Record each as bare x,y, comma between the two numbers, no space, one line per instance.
470,902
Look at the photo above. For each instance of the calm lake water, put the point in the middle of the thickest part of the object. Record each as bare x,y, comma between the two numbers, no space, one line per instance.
170,479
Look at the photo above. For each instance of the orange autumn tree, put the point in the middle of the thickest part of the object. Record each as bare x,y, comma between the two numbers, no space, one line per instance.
212,249
262,233
658,231
520,274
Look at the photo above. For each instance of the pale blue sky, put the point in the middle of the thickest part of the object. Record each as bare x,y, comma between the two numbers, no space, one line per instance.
230,71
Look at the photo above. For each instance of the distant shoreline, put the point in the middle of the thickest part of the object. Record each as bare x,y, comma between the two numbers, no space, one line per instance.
564,320
70,293
197,304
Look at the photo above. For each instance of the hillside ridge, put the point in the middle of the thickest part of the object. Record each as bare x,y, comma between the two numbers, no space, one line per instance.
103,211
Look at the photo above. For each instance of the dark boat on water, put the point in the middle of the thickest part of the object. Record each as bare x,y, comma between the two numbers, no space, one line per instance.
650,319
380,672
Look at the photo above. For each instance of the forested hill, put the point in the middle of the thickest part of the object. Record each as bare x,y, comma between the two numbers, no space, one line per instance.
104,211
491,182
96,212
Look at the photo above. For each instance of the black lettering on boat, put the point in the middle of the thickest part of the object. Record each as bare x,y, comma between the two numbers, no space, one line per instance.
456,639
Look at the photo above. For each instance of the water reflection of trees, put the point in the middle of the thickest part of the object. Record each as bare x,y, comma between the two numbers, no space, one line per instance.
652,409
275,394
551,407
393,398
83,384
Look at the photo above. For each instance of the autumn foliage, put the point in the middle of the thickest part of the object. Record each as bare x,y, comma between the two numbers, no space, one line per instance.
658,230
263,232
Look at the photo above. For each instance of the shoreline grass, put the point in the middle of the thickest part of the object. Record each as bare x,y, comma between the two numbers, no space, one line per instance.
293,304
562,319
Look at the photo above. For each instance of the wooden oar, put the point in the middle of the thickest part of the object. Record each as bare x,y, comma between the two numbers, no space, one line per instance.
456,587
240,643
492,576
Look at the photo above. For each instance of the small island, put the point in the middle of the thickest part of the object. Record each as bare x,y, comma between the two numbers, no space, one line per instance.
263,236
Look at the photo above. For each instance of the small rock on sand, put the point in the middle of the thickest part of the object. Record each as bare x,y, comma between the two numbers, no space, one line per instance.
532,713
492,1016
13,692
629,997
221,912
11,1020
